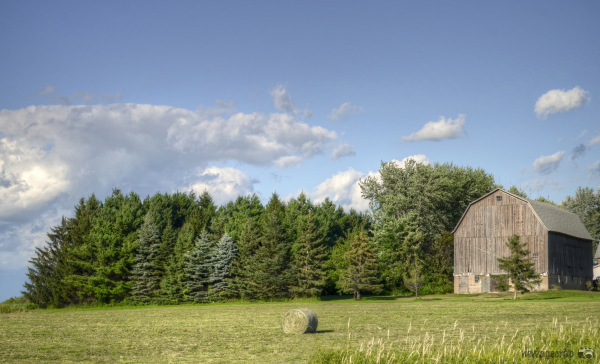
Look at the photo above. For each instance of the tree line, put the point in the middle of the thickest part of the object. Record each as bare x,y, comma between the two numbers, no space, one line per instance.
182,247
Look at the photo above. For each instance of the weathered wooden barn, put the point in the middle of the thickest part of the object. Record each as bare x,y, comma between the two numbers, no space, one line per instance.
560,245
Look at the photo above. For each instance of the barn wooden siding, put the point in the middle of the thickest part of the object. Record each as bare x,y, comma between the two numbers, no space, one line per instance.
569,256
481,237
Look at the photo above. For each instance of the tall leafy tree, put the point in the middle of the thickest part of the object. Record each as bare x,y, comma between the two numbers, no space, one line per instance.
308,259
198,267
361,272
413,205
586,205
519,268
222,258
145,280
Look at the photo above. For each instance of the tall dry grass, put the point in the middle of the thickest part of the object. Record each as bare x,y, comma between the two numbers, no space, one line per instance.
558,342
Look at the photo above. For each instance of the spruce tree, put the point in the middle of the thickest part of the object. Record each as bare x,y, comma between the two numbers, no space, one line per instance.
222,257
46,273
361,274
270,266
519,267
144,277
198,264
308,259
242,284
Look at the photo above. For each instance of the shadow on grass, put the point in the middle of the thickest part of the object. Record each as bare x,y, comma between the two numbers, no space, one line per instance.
323,331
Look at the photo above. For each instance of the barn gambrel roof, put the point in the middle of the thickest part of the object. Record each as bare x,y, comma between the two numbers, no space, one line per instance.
553,218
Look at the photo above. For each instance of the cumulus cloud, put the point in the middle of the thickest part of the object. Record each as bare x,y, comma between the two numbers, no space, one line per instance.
61,99
419,158
341,151
595,141
52,155
548,164
343,112
438,130
287,161
224,184
578,151
556,101
343,189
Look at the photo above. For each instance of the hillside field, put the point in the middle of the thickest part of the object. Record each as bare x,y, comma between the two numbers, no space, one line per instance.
251,332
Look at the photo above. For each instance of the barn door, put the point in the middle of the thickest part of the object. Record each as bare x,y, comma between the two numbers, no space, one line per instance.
463,285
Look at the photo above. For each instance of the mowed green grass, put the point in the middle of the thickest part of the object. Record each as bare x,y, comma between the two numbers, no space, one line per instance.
252,333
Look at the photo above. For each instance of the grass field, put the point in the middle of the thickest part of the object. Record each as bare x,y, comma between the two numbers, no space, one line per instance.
251,333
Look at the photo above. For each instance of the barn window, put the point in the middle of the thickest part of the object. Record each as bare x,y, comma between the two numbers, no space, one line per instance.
536,256
499,198
477,277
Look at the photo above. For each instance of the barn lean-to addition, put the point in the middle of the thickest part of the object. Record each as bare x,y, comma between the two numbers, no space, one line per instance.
560,245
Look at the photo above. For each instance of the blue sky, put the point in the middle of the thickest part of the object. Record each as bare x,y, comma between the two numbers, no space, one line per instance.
253,97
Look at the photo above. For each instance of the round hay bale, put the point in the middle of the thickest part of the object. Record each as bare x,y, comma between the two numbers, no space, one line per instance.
300,321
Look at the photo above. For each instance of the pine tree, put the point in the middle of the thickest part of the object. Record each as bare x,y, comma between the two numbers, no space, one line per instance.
198,264
223,256
519,267
308,260
361,274
144,277
242,284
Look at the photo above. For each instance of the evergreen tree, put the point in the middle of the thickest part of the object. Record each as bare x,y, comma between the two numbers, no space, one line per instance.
242,284
46,275
519,267
173,285
223,256
270,265
361,274
309,258
586,205
144,275
107,254
198,264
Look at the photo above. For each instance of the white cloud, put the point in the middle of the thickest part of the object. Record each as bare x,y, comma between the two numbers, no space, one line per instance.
595,141
224,184
282,99
438,130
50,156
287,161
582,134
48,90
419,158
556,101
344,150
343,189
345,110
548,164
